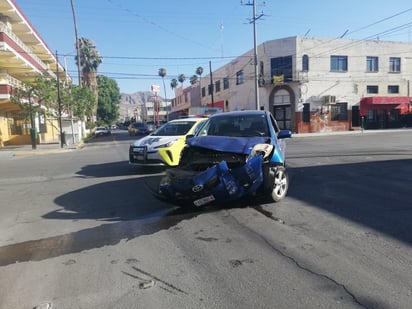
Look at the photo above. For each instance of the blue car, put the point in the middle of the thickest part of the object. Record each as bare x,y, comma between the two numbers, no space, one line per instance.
234,154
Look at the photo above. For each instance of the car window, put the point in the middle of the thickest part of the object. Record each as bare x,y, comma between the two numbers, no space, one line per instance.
240,126
174,128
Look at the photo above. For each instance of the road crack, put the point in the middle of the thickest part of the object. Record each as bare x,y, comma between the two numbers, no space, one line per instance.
155,278
294,261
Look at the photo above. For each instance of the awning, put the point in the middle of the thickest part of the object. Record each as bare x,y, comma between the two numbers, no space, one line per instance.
386,100
386,103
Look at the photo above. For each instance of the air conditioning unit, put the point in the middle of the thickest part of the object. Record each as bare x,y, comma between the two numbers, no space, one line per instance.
329,99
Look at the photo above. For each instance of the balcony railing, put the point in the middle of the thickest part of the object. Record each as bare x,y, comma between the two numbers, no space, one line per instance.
7,30
6,79
298,77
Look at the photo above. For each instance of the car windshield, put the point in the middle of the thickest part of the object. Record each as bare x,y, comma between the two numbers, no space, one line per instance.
174,128
240,126
139,125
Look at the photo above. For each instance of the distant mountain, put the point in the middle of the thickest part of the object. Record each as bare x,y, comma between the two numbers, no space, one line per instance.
129,102
137,98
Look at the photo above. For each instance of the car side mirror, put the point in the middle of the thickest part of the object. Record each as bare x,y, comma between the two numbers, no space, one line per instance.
284,134
189,136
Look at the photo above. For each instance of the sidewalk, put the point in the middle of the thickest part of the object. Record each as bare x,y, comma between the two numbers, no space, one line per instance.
26,150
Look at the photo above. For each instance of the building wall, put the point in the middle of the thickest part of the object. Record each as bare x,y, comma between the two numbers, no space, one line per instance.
319,88
24,56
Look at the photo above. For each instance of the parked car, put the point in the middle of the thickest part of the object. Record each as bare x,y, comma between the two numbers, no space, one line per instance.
151,127
234,154
163,146
138,128
102,131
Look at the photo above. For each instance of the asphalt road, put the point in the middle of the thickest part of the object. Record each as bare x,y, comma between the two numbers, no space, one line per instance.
82,229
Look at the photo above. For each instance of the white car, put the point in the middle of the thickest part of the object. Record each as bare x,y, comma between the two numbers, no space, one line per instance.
102,131
163,146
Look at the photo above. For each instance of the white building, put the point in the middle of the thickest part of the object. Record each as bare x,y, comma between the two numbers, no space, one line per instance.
319,85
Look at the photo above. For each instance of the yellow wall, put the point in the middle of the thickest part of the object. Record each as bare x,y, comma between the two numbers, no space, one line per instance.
52,134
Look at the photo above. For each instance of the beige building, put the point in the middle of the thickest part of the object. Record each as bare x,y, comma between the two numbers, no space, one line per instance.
318,84
23,56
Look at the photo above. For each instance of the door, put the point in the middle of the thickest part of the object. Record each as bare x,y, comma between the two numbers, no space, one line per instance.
282,115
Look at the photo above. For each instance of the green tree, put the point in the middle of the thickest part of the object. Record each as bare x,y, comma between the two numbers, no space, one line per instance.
32,96
77,100
38,96
108,101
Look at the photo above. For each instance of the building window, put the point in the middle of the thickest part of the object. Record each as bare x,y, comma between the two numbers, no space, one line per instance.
240,77
339,63
225,82
393,89
203,91
217,85
394,65
339,111
372,89
372,64
306,112
305,63
281,68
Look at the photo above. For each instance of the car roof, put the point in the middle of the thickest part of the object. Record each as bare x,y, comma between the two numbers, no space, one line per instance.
238,113
188,119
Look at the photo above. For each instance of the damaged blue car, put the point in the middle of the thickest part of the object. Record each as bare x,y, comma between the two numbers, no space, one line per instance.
234,154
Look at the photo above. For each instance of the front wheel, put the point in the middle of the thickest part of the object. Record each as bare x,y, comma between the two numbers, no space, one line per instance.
276,183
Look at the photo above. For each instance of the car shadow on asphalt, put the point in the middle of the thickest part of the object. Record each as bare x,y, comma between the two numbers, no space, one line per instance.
374,194
115,169
127,208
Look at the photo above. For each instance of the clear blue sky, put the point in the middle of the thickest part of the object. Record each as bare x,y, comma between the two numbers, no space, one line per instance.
137,37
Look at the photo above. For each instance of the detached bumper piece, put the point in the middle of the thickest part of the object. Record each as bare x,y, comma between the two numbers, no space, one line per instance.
216,184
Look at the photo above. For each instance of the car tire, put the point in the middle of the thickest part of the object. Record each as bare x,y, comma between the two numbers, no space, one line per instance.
276,183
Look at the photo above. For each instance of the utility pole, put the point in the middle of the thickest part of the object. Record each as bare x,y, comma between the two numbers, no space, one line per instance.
211,83
77,44
255,55
79,74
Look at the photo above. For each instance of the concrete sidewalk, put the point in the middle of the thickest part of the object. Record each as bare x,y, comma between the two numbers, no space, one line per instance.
26,150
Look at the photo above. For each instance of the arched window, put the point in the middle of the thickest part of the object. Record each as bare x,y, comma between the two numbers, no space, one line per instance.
305,63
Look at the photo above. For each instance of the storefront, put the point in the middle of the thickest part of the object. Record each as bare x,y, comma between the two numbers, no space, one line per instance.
386,112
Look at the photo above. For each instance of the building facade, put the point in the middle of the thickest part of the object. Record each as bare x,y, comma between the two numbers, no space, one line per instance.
23,57
318,84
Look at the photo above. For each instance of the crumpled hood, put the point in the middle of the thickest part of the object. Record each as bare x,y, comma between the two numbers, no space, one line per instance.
241,145
154,141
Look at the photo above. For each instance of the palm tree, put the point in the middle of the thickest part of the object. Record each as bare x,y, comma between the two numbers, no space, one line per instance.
173,85
199,71
162,74
89,61
193,79
181,78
